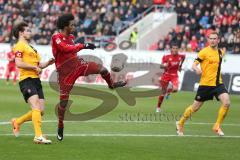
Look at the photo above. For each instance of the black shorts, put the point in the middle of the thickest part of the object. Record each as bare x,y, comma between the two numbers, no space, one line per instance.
30,87
205,93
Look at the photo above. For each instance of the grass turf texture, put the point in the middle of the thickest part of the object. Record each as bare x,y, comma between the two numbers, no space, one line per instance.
120,134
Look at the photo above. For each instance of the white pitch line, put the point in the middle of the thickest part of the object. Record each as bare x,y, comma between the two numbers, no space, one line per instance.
148,122
126,135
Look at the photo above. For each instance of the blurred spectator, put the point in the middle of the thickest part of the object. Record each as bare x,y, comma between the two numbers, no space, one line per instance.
194,43
161,2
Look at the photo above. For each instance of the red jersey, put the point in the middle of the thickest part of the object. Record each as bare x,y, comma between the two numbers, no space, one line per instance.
173,63
63,48
11,58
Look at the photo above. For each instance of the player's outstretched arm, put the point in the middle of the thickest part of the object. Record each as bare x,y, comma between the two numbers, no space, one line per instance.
64,47
70,48
46,64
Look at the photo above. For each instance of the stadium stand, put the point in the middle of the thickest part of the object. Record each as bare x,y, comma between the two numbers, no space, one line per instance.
196,18
94,17
102,20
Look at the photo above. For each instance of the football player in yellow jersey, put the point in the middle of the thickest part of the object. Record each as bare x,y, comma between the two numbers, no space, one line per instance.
28,61
211,85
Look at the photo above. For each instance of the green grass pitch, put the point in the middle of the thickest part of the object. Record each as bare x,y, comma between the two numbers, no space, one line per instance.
127,132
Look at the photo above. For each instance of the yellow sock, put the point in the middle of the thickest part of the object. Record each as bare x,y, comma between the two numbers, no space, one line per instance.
24,118
37,121
186,115
221,114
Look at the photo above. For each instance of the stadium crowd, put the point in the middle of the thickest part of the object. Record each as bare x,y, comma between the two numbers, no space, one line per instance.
106,17
197,17
94,17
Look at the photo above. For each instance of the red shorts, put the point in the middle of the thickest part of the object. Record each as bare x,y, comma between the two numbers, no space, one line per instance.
11,68
166,78
69,73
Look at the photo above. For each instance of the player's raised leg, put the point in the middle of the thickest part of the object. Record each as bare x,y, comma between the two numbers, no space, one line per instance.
164,83
173,86
16,122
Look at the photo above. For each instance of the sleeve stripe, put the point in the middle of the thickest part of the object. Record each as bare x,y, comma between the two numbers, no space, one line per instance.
198,59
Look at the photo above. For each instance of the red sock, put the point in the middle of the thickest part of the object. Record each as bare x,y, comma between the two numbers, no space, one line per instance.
108,79
15,78
61,111
160,100
7,77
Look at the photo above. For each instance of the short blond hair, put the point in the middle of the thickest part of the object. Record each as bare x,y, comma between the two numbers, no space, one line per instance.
213,32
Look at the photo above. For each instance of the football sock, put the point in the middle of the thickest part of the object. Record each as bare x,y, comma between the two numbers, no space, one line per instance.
108,79
61,112
160,100
188,112
24,118
222,114
7,78
15,78
37,121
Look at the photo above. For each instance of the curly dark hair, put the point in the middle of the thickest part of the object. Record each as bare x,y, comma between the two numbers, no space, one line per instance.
64,20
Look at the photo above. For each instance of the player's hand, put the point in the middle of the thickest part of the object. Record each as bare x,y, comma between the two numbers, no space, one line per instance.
164,65
89,46
38,70
198,71
51,61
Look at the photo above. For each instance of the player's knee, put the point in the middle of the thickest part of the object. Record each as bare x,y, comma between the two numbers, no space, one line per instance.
196,106
103,71
226,104
63,103
36,105
164,91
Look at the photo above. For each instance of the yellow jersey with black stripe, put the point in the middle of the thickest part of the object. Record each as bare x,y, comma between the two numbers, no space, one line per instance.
210,61
30,56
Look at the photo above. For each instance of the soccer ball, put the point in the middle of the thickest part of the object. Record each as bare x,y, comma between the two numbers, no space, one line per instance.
118,62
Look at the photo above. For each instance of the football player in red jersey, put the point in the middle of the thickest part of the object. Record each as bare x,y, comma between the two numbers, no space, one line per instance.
171,63
69,66
11,67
